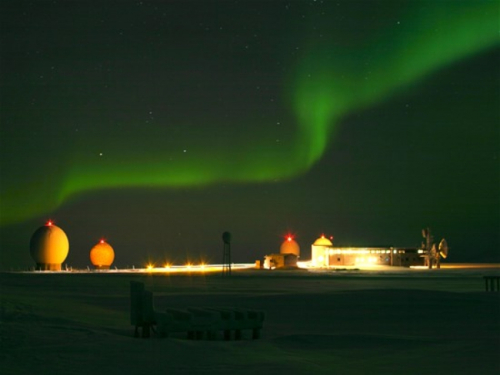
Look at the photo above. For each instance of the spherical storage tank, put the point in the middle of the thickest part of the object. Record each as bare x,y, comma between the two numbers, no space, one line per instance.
102,255
289,246
322,241
49,247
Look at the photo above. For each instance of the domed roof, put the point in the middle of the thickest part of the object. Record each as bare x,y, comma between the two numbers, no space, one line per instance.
289,246
322,241
49,246
102,255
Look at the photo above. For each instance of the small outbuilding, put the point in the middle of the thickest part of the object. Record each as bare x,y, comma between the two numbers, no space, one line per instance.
277,261
287,257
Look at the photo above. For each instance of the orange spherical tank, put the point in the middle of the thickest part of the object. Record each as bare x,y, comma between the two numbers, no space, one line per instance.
289,246
102,255
49,247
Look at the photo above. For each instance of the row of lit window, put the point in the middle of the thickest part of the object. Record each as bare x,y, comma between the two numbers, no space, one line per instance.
363,260
367,251
359,251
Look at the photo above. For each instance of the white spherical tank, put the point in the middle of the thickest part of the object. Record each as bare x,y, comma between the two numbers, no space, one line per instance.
289,246
49,247
102,255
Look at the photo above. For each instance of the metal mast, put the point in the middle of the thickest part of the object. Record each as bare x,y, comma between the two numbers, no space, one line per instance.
226,257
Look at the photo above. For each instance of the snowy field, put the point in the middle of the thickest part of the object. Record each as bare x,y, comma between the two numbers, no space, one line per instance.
385,321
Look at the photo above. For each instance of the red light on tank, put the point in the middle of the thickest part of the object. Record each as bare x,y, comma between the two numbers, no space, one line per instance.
102,240
49,223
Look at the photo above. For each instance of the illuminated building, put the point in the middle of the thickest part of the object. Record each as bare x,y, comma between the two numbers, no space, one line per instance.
102,255
319,251
324,254
49,247
287,257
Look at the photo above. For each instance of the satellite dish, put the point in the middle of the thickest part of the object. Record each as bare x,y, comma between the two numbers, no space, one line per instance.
443,248
226,237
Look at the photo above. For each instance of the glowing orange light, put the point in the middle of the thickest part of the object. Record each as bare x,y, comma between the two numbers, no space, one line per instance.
150,267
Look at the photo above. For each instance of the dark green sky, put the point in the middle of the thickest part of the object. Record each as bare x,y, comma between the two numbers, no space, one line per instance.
161,125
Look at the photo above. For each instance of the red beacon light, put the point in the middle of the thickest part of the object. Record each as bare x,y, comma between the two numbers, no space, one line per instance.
49,223
102,240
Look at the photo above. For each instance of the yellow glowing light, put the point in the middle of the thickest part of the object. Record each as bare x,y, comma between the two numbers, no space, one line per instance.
321,259
150,267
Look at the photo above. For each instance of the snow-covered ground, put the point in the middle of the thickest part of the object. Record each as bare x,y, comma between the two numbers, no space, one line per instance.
390,321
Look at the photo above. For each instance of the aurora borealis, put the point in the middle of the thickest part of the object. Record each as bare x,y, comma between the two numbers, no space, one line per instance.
146,107
338,79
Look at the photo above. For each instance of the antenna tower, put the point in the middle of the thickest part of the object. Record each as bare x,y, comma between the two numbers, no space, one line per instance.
226,257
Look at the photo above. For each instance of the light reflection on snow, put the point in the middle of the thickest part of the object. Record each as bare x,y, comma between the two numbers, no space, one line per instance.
167,268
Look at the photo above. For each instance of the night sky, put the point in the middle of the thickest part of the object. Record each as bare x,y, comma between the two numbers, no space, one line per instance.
160,125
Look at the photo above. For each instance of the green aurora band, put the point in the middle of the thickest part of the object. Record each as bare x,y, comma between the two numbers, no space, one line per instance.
334,81
329,82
